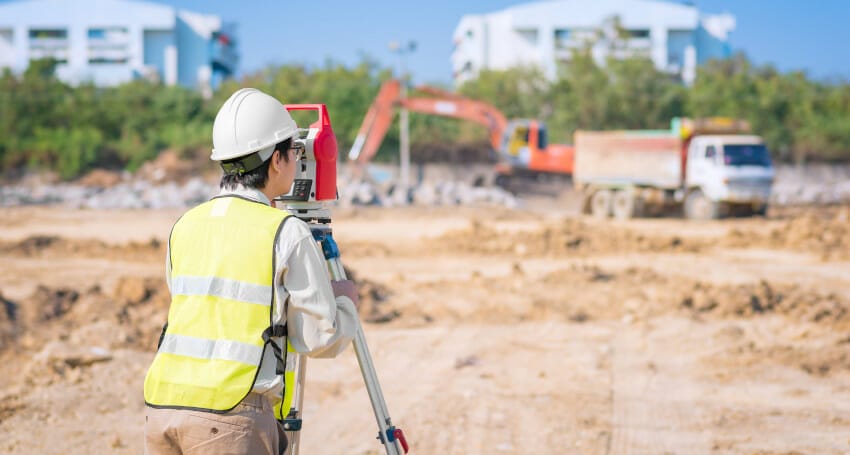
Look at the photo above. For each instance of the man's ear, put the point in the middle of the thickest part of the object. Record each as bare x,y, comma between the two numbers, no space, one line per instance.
276,157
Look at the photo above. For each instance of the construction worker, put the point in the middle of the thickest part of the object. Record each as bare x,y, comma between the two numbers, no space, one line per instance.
249,287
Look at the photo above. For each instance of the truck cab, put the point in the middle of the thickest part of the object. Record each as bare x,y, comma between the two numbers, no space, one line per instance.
727,174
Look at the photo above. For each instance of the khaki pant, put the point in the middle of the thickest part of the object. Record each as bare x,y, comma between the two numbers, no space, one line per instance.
250,428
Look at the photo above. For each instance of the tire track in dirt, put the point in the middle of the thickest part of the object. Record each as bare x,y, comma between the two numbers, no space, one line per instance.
650,416
468,400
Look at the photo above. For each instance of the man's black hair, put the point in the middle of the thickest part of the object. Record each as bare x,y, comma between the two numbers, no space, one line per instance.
257,177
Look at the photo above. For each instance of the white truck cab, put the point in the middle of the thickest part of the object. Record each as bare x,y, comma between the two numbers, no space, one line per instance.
732,172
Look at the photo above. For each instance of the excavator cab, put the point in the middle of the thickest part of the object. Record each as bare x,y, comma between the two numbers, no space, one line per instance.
524,136
518,139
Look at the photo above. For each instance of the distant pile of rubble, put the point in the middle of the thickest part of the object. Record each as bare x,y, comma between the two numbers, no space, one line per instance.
127,191
430,185
811,184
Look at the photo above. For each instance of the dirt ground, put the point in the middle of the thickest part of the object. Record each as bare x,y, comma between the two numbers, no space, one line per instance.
493,331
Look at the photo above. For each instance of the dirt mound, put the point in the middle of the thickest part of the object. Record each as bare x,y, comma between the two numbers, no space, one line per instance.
571,236
747,300
822,361
375,305
47,304
362,249
168,165
180,166
100,178
825,234
586,292
131,316
8,315
45,246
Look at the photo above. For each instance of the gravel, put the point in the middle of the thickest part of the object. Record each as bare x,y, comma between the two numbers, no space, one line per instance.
431,185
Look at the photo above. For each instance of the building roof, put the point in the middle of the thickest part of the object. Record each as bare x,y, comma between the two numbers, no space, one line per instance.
61,12
589,14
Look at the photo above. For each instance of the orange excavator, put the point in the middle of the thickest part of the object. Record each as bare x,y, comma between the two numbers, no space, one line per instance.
520,144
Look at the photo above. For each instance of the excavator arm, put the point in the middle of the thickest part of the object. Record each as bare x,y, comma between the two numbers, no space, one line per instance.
379,117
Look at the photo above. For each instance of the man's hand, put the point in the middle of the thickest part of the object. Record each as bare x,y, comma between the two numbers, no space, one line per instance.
346,288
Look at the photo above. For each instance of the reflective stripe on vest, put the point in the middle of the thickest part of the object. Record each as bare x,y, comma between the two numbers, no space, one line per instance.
222,287
222,292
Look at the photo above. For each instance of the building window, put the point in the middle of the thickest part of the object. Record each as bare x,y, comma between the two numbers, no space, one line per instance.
529,35
108,45
47,43
48,34
470,34
562,39
223,53
639,33
678,41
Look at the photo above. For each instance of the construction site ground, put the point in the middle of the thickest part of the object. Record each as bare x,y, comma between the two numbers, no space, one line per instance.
493,331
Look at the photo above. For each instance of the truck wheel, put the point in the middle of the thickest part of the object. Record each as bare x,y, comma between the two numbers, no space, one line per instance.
699,207
626,205
600,204
503,181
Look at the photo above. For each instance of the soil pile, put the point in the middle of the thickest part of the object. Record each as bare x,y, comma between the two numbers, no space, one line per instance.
47,246
571,236
754,299
100,178
587,292
130,316
825,234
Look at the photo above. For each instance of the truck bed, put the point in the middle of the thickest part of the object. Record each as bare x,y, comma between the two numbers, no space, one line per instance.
614,158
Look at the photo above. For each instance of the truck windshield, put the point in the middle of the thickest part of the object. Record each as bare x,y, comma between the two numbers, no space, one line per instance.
745,155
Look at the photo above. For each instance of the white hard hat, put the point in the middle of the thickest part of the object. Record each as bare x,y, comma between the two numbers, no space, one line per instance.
250,121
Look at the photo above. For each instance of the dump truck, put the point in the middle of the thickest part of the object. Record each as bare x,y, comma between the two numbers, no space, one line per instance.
701,168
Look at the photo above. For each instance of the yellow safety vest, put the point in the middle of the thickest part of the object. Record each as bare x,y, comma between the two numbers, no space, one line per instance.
219,321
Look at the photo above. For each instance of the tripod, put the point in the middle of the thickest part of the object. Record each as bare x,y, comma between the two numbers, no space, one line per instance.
391,437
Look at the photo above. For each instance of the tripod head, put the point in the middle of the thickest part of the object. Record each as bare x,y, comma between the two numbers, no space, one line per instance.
315,177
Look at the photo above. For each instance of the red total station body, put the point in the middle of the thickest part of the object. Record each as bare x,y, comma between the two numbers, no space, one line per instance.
315,178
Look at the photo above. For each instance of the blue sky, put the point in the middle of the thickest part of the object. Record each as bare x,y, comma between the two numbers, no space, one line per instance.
809,35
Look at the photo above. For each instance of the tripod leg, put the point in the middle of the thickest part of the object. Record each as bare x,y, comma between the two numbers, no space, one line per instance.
390,436
294,435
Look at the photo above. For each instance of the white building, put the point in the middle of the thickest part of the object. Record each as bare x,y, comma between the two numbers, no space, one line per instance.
109,42
676,36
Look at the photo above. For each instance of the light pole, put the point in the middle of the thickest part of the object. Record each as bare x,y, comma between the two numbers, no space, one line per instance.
404,127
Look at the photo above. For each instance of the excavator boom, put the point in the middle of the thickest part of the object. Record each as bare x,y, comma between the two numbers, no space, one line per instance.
377,122
379,117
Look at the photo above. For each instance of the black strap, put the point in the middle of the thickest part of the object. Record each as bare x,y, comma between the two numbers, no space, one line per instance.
276,330
242,165
162,335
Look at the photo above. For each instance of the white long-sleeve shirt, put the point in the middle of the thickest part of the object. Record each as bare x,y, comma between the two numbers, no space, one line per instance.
318,324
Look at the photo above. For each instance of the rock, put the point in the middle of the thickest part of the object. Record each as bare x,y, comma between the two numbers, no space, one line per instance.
60,355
